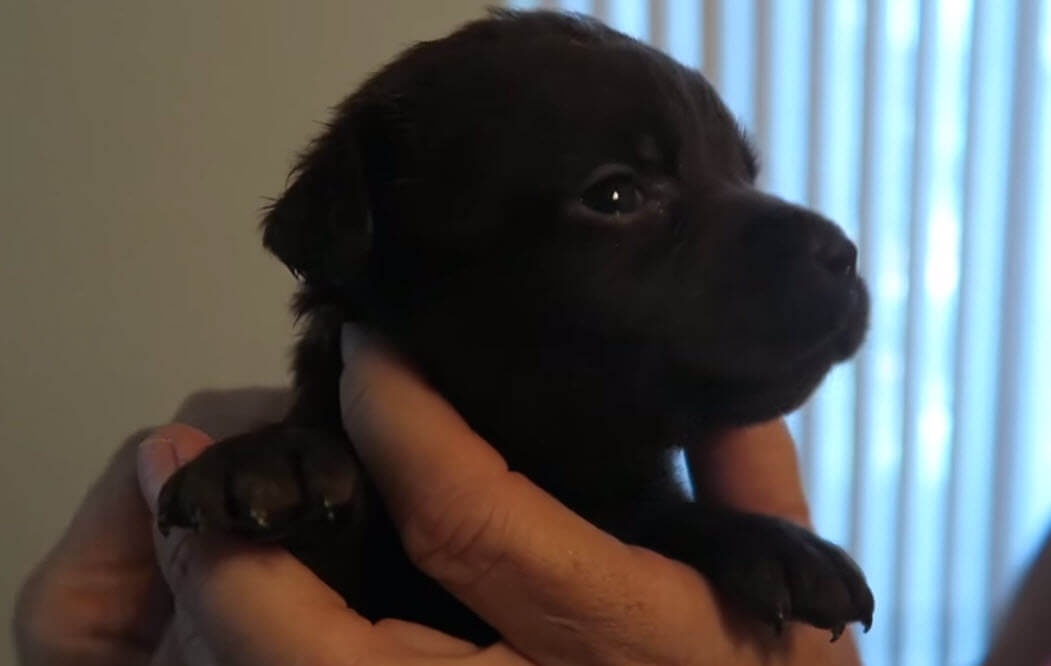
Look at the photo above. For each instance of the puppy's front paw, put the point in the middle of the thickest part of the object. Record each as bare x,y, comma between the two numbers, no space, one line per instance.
780,571
262,485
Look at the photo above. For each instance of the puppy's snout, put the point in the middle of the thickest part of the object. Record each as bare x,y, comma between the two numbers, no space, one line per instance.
790,235
836,254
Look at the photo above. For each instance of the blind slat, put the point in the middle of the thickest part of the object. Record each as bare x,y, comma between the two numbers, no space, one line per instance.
914,321
972,171
867,259
1016,267
658,24
764,108
712,64
815,161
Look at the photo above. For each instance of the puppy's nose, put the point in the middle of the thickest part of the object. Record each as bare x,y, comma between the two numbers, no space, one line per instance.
837,255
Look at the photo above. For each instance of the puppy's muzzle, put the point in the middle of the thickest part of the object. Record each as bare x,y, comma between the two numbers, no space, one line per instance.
835,254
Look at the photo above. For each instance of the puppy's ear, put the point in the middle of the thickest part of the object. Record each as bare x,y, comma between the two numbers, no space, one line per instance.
321,227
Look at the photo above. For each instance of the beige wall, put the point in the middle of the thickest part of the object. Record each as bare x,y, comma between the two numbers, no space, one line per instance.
139,140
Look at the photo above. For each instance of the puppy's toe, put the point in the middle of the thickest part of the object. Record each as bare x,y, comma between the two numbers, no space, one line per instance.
264,485
778,571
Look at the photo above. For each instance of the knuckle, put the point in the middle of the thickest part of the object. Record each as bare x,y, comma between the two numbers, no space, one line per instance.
331,648
181,563
461,535
28,624
49,616
189,641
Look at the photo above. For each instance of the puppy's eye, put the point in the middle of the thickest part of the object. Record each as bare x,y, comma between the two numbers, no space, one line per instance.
615,195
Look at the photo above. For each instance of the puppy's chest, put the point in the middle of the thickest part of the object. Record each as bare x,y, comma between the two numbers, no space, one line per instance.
597,479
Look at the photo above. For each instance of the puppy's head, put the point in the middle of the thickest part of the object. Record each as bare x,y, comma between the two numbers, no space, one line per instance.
542,188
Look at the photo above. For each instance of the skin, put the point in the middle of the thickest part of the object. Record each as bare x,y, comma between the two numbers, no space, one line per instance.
113,591
1023,637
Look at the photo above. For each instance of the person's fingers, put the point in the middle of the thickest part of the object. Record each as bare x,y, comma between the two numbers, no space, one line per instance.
559,589
753,468
98,594
423,640
246,604
189,645
170,652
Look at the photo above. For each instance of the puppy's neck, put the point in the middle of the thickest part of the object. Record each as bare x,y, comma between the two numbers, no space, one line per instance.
580,422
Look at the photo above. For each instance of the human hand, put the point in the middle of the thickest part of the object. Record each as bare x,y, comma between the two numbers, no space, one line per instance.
558,589
563,593
1021,636
98,597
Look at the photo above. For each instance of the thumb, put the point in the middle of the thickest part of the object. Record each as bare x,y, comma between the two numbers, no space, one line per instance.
557,588
248,604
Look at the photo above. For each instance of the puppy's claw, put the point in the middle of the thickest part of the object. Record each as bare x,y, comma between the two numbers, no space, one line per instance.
867,623
779,622
837,631
330,512
260,518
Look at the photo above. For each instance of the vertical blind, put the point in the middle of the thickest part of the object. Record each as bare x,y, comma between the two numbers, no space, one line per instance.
922,127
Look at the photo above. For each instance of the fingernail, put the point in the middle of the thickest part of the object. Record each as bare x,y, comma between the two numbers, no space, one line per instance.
156,461
351,340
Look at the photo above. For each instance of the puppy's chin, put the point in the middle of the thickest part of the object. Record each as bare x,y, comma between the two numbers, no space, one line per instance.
856,322
729,403
848,323
785,383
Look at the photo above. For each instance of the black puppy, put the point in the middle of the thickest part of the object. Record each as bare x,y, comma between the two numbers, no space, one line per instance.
558,226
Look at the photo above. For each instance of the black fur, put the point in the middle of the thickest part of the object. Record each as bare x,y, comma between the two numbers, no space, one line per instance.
455,205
